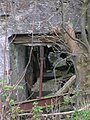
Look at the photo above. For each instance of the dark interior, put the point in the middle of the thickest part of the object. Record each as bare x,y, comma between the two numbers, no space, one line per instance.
51,56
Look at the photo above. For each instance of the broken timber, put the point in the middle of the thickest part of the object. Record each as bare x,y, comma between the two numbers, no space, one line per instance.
66,86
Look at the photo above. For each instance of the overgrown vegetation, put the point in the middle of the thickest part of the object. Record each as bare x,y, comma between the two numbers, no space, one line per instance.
65,34
81,115
37,111
8,109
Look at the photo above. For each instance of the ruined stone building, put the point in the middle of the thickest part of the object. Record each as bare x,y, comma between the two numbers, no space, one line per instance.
26,23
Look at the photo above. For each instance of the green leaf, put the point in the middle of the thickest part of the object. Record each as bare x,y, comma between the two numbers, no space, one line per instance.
13,116
11,102
5,94
35,103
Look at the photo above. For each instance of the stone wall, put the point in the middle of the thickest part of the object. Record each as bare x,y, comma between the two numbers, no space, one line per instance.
30,16
27,16
42,15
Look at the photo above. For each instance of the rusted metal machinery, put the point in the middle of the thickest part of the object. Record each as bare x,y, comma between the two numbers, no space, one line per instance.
41,42
26,106
41,70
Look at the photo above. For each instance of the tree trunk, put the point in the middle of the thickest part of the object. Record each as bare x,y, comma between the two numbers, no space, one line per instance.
81,62
85,19
88,21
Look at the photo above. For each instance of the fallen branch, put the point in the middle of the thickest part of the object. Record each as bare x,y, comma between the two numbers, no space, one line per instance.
66,86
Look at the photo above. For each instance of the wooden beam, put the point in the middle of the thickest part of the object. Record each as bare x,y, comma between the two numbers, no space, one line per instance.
22,39
66,86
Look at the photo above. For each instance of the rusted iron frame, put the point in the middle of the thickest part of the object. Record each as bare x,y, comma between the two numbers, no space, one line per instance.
41,70
27,106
